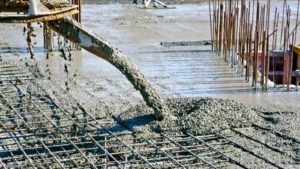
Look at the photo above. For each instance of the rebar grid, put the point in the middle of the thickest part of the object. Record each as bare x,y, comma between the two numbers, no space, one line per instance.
11,73
35,132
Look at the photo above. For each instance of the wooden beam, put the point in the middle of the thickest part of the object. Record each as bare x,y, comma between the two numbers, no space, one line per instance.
52,15
10,9
296,49
78,16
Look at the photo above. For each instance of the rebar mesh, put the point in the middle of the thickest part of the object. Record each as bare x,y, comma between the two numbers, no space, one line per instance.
35,132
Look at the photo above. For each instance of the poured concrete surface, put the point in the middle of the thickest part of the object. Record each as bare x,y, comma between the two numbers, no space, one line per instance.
180,71
174,71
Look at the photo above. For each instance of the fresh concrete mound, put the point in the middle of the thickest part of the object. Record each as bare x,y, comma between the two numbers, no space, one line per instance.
193,115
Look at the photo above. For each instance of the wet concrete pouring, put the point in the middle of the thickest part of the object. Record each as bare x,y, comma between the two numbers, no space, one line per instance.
91,116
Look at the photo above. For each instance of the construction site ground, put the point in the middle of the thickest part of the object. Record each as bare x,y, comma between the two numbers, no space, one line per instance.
221,120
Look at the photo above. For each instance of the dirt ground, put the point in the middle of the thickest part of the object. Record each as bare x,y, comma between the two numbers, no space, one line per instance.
202,91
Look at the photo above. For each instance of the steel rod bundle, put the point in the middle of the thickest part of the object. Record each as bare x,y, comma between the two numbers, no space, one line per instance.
248,34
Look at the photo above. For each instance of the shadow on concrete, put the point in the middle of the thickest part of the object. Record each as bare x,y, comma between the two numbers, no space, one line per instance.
132,122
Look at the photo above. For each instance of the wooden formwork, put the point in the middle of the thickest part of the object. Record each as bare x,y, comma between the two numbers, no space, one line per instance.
295,49
279,66
18,11
44,17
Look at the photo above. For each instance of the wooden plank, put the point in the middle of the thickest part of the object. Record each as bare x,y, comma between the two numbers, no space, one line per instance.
296,49
54,15
16,9
78,16
298,62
